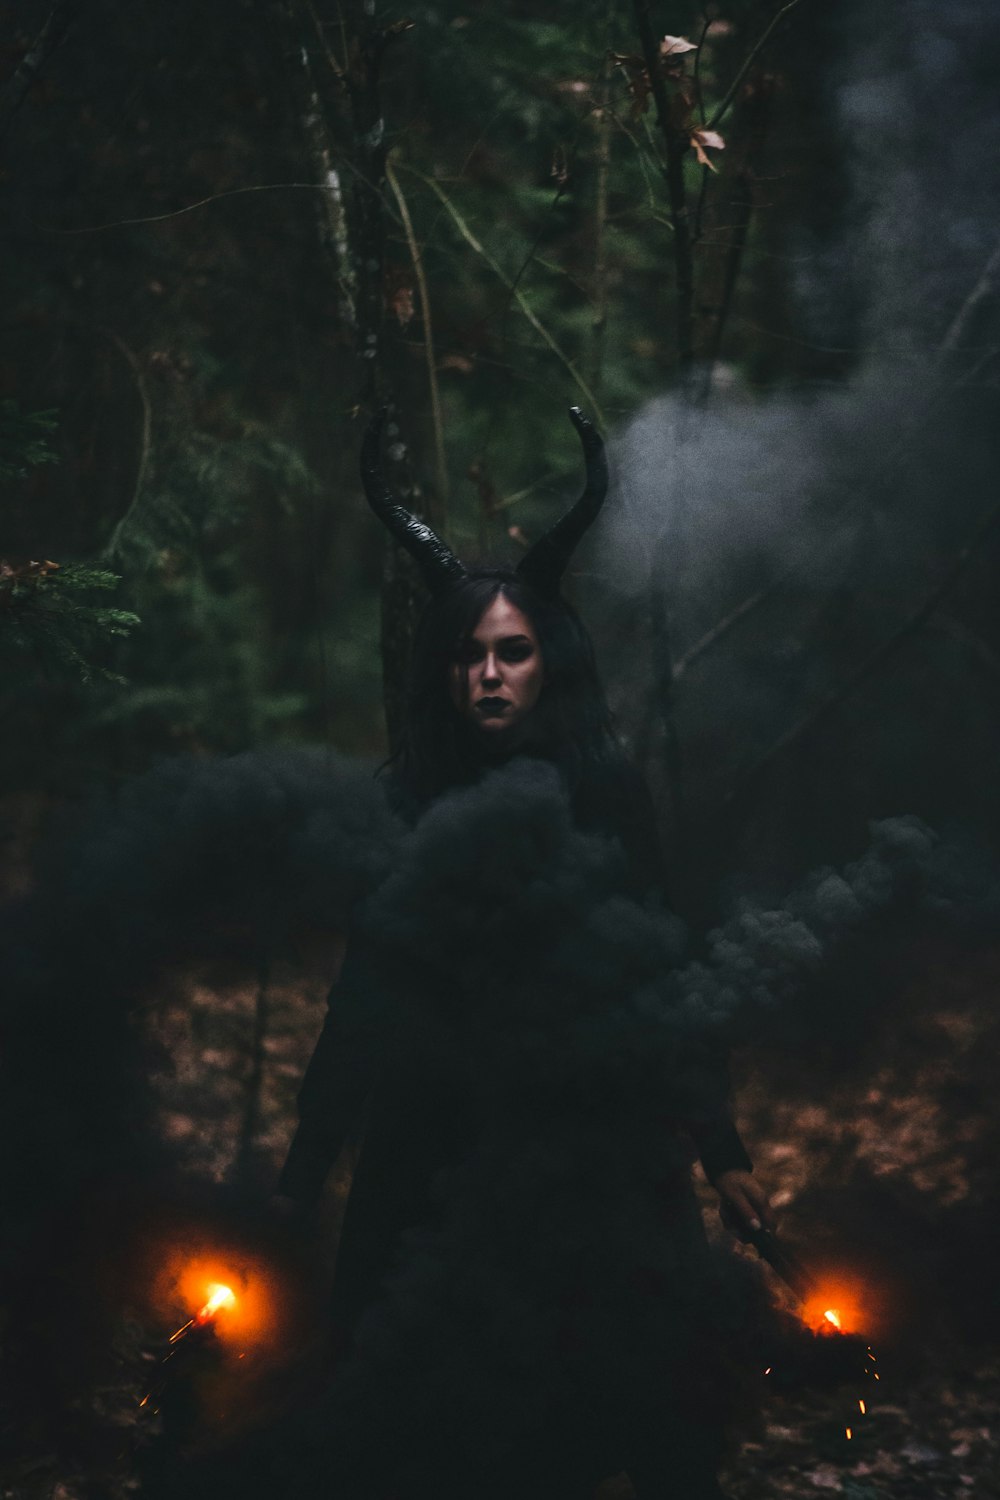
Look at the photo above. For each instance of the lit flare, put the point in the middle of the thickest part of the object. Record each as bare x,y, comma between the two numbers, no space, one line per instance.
219,1296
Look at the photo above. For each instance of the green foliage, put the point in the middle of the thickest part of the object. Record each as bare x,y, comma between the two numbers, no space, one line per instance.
199,346
24,439
49,616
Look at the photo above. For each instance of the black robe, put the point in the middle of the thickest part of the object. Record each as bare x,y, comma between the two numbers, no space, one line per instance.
405,1077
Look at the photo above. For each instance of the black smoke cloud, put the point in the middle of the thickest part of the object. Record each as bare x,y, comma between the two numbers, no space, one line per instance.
557,1266
561,1016
198,860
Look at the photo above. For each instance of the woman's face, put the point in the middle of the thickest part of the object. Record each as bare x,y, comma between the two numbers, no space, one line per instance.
499,672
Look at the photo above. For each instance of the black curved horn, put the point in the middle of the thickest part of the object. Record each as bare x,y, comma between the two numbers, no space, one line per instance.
543,566
437,562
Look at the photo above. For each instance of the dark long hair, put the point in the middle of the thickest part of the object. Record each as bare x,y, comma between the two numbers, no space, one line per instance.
571,723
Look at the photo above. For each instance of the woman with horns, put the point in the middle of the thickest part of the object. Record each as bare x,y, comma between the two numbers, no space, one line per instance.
503,673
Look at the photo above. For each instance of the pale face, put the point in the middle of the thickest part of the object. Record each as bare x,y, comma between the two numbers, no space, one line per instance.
496,681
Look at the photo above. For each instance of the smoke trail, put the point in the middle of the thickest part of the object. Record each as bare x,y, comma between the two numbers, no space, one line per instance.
794,533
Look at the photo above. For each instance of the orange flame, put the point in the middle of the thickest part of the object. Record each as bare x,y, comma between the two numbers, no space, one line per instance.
236,1293
836,1306
220,1296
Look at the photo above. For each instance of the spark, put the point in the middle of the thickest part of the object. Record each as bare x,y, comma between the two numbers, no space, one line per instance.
849,1433
862,1408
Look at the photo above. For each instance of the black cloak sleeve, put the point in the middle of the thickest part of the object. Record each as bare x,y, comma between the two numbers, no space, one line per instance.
339,1078
619,802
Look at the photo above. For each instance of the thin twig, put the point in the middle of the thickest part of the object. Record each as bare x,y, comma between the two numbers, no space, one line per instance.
699,208
754,120
857,500
602,157
339,70
189,208
529,489
28,70
676,147
911,627
474,244
440,518
719,629
730,94
984,289
697,70
973,643
114,541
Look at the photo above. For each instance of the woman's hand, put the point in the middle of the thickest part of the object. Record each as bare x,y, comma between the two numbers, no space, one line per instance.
744,1206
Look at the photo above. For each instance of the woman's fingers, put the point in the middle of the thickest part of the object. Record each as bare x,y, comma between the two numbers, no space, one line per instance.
745,1206
760,1203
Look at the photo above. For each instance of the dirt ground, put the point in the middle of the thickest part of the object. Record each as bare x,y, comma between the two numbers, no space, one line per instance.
882,1170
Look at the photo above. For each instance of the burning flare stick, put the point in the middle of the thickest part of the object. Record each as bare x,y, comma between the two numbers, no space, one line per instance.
219,1296
785,1264
795,1276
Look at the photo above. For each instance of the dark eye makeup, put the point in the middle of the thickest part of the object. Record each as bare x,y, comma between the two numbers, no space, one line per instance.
516,648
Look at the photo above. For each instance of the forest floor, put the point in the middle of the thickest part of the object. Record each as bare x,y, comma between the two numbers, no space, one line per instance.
881,1170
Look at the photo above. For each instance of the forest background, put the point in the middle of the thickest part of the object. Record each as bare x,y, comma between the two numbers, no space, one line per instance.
229,235
758,243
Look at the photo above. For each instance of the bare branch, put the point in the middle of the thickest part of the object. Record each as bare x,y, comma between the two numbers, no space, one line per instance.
474,244
731,92
438,516
189,208
114,541
676,146
984,290
12,95
859,496
911,627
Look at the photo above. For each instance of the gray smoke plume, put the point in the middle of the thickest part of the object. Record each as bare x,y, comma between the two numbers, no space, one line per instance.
793,533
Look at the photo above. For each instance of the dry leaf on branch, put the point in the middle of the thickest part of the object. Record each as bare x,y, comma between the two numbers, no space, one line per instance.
460,362
13,574
401,304
636,78
704,141
676,46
